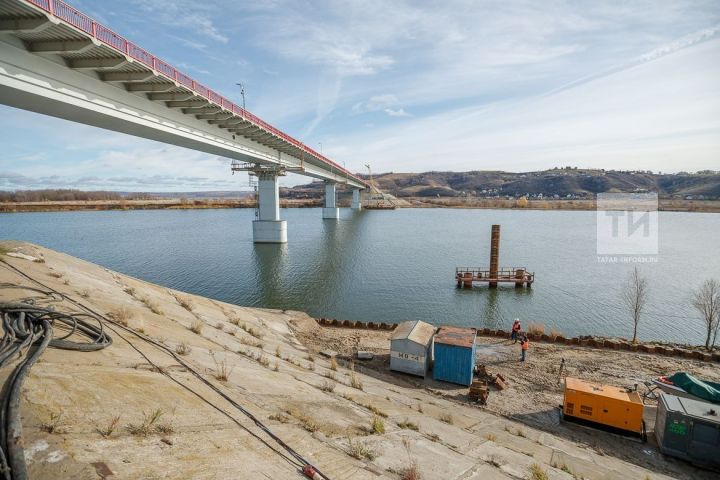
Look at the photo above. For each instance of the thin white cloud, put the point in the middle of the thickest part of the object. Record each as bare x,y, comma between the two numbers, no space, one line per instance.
399,112
187,14
375,103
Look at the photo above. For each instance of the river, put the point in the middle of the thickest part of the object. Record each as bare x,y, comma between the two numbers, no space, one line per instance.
397,265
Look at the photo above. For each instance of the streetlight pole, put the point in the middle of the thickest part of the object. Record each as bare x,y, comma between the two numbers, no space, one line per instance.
242,93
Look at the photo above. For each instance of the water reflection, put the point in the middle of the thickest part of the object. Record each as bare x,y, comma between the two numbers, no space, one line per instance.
269,262
311,272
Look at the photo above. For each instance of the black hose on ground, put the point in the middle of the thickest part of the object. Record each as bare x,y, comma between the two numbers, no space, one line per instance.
27,331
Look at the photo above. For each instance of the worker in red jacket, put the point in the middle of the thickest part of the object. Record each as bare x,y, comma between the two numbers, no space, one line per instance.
515,330
524,345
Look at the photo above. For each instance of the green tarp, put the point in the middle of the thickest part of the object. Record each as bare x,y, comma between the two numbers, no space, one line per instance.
708,391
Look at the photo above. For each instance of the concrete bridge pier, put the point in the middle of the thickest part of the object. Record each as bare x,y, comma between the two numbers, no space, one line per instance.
268,228
330,210
356,205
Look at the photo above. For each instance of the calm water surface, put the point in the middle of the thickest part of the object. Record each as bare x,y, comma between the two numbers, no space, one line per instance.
397,265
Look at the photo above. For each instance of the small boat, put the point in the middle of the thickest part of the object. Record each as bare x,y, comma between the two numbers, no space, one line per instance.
685,385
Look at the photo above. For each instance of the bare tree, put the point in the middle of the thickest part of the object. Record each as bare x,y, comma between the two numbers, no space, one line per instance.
707,301
635,297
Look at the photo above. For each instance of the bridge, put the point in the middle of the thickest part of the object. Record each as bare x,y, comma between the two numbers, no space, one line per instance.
57,61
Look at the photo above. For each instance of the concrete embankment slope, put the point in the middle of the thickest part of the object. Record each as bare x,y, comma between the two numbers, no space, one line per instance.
90,415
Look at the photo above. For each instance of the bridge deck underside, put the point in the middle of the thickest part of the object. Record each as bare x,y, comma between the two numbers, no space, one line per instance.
45,35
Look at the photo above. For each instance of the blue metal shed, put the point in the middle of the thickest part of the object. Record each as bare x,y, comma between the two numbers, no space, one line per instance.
454,355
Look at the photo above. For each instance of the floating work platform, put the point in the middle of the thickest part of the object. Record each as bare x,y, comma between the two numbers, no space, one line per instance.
466,276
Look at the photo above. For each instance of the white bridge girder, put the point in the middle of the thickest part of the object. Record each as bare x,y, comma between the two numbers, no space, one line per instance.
98,91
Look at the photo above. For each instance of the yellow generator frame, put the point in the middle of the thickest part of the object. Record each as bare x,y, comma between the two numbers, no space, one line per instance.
604,405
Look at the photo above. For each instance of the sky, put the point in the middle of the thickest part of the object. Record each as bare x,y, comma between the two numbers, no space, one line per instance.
409,86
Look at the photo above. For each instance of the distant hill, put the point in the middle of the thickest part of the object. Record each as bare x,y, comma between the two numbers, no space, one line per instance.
560,182
576,183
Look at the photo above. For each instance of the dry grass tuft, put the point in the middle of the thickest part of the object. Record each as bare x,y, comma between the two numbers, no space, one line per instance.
278,352
536,329
377,426
279,417
222,369
537,472
148,425
108,430
152,305
252,342
490,437
219,325
121,315
85,293
54,423
255,333
555,333
333,364
410,473
355,381
183,348
185,302
447,418
408,425
359,450
130,291
375,410
196,327
327,386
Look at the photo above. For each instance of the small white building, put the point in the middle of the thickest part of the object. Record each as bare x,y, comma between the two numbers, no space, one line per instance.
411,347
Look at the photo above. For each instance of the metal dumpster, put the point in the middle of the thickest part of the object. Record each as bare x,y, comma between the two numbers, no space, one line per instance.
688,429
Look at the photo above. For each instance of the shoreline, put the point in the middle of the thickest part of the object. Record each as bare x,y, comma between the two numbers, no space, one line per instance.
656,347
665,205
274,363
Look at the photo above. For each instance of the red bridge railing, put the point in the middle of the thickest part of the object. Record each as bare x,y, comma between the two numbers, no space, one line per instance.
81,21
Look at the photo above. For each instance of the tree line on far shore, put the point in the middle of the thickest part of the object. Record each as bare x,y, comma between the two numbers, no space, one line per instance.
66,195
706,300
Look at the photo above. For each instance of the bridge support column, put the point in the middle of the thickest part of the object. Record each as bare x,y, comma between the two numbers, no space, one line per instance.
268,228
330,210
356,205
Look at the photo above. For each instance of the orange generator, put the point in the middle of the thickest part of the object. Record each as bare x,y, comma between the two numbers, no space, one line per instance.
603,405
